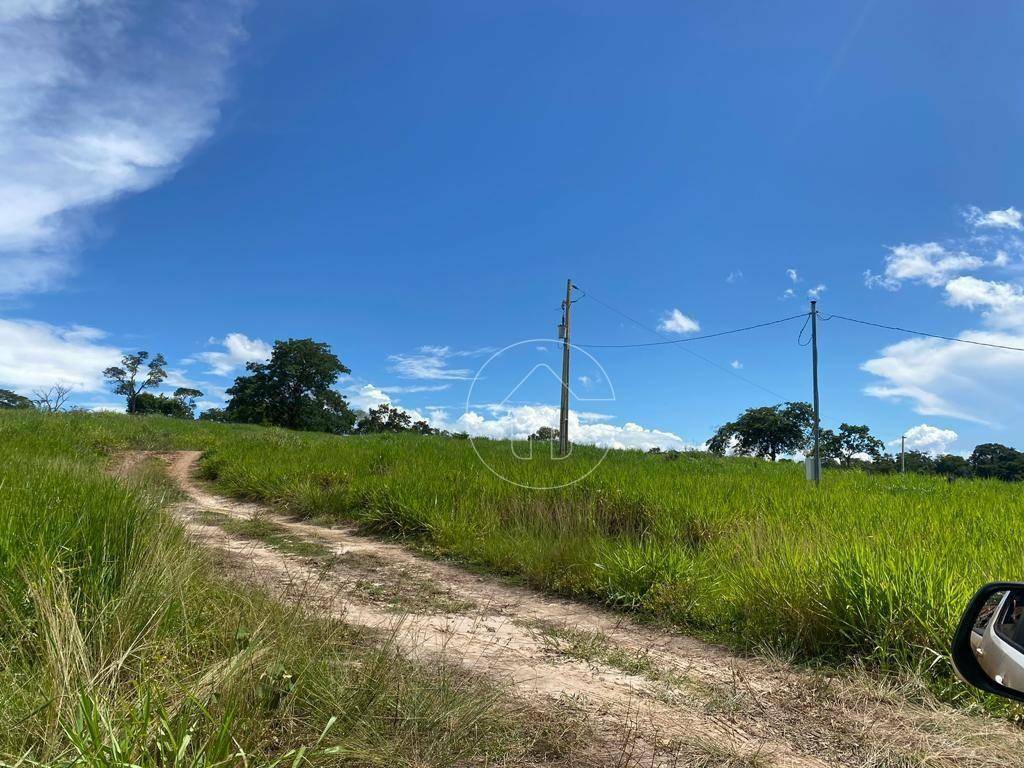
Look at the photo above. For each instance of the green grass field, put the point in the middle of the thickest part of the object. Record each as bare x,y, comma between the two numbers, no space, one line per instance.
866,569
121,645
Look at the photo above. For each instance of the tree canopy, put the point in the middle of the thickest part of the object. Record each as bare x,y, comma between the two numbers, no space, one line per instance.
130,380
9,399
293,390
384,418
998,461
766,432
850,442
181,406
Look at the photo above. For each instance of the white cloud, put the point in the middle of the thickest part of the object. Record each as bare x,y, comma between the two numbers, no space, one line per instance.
431,362
1009,218
817,290
97,99
736,365
928,263
788,294
929,439
35,354
792,275
736,274
363,397
520,422
943,378
676,322
1002,303
1002,259
239,349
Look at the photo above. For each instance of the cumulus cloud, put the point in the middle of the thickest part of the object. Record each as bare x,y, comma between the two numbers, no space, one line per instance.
97,99
736,365
35,354
1008,218
239,349
676,322
1002,304
929,439
816,291
928,263
945,377
519,422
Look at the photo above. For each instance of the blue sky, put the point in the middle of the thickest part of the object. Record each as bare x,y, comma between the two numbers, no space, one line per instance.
414,182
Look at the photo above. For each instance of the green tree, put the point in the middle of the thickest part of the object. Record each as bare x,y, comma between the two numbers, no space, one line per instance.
544,433
423,428
916,461
293,390
129,380
9,399
188,396
218,415
998,461
831,446
385,418
857,438
148,403
952,466
766,432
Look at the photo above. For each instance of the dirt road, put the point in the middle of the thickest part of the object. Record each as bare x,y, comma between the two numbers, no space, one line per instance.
669,699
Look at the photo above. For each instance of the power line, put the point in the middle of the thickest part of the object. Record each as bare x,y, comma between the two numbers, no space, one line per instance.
688,338
674,344
924,333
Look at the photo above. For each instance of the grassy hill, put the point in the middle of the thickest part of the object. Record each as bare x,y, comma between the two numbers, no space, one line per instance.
873,569
122,644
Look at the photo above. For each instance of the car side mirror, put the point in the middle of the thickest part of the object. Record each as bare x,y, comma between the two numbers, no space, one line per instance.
988,648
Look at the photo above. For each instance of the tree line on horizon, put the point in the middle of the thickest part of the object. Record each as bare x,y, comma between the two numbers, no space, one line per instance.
294,389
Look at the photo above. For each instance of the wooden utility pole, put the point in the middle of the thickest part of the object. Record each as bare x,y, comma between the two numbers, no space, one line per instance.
816,470
563,417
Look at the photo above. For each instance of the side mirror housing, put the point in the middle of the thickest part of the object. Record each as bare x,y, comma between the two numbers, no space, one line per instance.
988,648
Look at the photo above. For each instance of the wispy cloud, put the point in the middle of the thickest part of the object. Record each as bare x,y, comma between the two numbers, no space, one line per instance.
732,277
1008,218
817,290
97,99
433,363
792,275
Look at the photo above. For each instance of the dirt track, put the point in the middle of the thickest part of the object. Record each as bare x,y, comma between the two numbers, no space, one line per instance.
666,698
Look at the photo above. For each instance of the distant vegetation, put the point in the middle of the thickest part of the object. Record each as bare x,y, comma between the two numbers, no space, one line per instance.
294,389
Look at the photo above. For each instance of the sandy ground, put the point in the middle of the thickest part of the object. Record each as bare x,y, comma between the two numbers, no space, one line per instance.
665,698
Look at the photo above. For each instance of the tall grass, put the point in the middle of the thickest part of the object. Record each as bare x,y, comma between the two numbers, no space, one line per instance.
119,645
870,568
